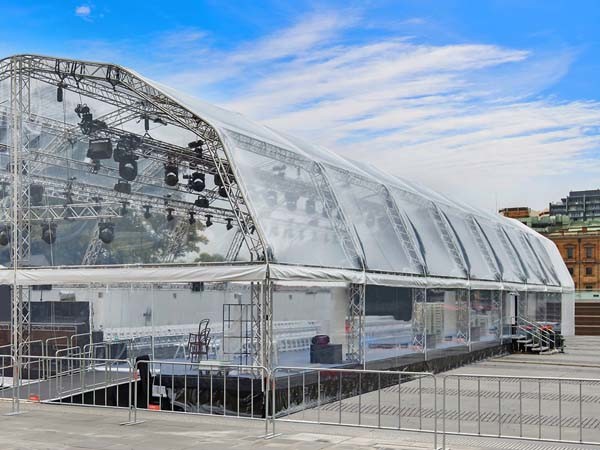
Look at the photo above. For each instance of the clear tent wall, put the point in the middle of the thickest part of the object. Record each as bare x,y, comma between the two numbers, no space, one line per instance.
113,185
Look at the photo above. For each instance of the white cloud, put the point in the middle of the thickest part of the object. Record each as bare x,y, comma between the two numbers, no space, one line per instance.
83,11
468,119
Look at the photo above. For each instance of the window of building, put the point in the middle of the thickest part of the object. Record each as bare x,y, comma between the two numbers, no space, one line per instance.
570,252
589,271
589,252
589,287
570,270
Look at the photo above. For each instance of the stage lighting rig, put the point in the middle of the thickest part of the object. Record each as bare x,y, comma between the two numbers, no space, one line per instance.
196,146
88,124
229,225
4,235
36,194
100,148
291,200
170,215
123,187
223,192
191,218
209,221
106,232
202,202
59,93
124,210
147,213
49,233
171,174
126,157
195,181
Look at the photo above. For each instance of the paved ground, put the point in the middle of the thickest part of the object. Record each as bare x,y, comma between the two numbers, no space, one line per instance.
59,427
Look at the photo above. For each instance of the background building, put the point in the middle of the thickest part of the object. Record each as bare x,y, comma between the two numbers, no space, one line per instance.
578,205
574,226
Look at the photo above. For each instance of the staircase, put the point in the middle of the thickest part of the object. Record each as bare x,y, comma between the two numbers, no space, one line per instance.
532,337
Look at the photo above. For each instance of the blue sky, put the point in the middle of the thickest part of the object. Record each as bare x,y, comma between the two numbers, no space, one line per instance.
492,102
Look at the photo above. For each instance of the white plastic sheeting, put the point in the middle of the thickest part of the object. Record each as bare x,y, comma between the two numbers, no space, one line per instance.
323,218
392,225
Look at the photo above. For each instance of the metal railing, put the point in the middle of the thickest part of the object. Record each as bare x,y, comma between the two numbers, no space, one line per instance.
531,408
353,397
82,381
549,409
539,335
205,388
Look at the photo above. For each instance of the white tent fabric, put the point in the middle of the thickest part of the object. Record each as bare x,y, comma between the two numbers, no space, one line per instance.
400,231
322,218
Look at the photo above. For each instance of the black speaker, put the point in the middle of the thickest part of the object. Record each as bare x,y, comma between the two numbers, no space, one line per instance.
100,148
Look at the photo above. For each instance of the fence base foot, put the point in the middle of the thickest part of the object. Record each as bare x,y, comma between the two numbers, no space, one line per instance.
131,423
269,436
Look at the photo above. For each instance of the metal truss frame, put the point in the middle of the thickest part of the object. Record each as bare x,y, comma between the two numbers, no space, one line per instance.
116,86
131,95
355,324
419,320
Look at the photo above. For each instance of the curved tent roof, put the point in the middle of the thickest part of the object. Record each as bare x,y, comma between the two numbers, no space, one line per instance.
391,224
317,209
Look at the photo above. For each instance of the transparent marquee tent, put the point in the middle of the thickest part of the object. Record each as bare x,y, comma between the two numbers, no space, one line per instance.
113,183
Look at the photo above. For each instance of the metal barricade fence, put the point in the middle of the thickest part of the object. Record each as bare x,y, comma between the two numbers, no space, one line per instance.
82,381
532,408
355,397
550,409
205,388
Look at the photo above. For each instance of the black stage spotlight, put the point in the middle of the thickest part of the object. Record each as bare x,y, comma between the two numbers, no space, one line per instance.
128,170
170,215
100,148
122,187
223,191
171,174
196,144
229,225
4,235
126,147
49,233
147,214
202,202
217,180
209,221
36,194
106,232
291,199
191,219
196,181
59,93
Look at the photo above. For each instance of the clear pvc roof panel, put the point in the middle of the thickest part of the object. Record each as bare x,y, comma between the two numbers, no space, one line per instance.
535,274
481,260
383,231
512,269
294,204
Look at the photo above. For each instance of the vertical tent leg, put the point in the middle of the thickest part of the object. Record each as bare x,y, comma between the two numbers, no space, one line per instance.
262,308
419,326
355,324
